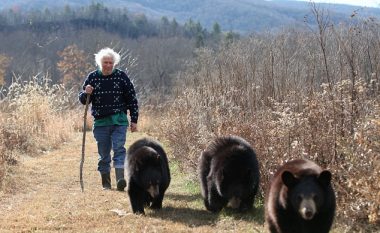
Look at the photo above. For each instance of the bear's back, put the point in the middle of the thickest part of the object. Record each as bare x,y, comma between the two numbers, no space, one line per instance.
229,152
136,155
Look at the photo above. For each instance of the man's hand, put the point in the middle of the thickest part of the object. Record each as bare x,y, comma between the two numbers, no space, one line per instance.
133,127
88,89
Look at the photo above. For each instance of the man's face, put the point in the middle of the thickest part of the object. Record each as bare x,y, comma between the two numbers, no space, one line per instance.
107,65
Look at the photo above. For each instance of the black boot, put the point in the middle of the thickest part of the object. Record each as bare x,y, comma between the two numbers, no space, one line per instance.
120,181
106,181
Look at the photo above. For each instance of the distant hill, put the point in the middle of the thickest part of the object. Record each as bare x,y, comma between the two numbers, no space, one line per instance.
239,15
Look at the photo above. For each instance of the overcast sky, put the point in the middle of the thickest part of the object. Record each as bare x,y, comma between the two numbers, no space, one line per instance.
369,3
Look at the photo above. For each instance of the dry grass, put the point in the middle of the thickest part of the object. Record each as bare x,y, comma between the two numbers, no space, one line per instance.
42,194
33,120
47,197
281,134
275,92
36,112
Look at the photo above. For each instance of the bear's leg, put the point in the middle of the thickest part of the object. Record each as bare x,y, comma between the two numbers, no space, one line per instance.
136,198
246,204
157,202
205,202
272,226
205,193
287,222
323,221
215,201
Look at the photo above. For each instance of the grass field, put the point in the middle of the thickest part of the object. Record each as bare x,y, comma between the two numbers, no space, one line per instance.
47,197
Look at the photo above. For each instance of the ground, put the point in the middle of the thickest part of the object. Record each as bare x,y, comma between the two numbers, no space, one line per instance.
47,197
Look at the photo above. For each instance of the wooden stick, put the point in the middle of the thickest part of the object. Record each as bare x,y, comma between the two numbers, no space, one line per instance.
83,142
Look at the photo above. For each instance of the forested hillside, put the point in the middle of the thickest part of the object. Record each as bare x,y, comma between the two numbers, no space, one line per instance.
61,43
243,16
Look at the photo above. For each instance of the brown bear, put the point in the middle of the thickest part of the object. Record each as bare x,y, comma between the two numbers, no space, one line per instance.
300,199
229,174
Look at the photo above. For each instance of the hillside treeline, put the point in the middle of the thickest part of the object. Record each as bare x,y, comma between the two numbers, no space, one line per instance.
37,41
96,15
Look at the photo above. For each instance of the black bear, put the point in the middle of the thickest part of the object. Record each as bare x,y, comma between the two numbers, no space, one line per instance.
229,174
148,174
300,199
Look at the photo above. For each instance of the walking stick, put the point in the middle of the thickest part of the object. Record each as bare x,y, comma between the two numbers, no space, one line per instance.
83,142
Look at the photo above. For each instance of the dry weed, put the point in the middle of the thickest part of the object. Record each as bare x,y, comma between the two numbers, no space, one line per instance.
36,117
283,114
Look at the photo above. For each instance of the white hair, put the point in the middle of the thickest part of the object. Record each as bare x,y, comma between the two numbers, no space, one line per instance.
107,52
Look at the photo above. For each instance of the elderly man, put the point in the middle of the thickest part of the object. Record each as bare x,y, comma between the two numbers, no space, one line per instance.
112,95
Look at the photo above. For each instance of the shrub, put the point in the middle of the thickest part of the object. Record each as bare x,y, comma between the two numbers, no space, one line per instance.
34,119
283,115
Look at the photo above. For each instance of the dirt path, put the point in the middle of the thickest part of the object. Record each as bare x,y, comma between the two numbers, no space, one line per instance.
48,198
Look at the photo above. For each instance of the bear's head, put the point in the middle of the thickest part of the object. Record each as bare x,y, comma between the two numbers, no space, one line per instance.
235,185
306,193
149,170
151,180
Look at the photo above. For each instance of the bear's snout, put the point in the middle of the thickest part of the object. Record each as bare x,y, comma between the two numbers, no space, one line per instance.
307,213
153,190
307,209
234,203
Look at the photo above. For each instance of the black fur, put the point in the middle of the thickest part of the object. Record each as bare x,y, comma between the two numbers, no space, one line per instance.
228,170
147,167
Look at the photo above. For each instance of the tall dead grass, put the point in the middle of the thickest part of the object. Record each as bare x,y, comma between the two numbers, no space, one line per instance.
35,117
272,91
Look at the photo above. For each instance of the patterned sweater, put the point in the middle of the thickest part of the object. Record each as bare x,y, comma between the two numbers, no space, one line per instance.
112,94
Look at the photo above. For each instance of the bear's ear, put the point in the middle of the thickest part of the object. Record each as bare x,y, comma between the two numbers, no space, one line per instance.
325,178
288,179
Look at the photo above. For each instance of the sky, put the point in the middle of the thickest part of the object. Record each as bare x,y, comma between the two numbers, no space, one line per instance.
368,3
